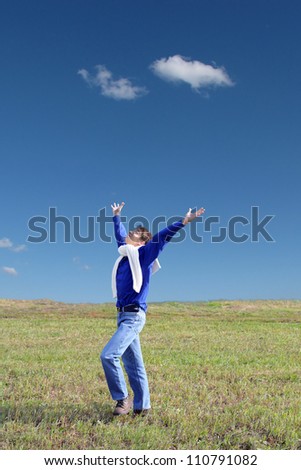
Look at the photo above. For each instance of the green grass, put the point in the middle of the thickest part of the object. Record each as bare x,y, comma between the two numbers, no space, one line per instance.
223,375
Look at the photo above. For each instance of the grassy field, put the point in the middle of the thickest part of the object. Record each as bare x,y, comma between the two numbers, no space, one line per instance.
223,375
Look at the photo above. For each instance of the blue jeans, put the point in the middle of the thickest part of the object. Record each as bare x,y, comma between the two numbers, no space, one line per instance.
125,343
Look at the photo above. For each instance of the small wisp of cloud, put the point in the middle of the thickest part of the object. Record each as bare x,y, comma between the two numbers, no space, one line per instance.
120,89
8,244
19,248
9,271
193,72
5,243
86,267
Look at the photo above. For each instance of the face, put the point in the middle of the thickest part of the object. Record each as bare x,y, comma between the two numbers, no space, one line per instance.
133,238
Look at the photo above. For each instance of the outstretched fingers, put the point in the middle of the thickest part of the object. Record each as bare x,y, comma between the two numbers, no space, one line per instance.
200,211
117,208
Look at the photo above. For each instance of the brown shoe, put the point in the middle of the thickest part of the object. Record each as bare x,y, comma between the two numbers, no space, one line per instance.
123,407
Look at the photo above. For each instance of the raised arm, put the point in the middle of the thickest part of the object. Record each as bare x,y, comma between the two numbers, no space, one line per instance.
157,243
119,229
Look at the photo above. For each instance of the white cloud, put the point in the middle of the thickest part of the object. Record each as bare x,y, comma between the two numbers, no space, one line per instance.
121,89
86,267
193,72
10,271
5,243
19,248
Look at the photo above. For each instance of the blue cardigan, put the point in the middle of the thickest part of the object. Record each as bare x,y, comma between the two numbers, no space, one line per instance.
147,255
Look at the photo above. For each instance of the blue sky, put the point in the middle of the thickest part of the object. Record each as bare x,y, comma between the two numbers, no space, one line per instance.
164,105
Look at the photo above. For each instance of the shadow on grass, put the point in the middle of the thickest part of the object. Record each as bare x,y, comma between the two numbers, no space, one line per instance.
57,414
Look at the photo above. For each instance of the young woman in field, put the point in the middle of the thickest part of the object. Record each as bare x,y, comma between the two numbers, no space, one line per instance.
130,284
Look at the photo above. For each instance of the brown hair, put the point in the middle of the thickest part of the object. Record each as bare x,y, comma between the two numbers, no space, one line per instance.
144,234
